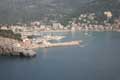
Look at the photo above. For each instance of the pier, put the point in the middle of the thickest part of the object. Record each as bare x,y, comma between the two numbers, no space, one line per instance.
71,43
47,44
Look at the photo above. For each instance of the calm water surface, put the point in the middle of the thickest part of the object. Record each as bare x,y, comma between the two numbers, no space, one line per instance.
98,58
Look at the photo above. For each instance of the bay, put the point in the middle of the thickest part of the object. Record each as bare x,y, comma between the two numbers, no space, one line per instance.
97,58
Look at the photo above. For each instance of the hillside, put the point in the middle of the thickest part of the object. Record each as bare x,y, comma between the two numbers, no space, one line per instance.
13,11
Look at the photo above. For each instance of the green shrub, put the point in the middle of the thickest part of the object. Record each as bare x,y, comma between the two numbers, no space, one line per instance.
10,34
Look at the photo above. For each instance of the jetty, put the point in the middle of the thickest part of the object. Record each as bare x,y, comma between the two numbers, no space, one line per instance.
47,44
71,43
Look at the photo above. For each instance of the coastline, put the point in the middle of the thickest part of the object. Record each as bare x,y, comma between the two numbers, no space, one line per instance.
28,51
54,31
10,47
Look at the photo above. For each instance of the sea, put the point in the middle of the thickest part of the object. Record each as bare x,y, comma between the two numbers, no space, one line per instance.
97,58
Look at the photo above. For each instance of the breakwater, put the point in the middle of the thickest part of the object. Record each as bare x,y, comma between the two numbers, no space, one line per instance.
71,43
47,44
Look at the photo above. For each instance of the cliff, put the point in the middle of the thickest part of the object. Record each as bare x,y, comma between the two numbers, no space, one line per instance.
8,47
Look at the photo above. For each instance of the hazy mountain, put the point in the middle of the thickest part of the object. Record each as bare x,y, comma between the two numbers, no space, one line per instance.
12,11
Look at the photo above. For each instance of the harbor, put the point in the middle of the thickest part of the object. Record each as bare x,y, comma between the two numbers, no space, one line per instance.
74,61
59,39
26,47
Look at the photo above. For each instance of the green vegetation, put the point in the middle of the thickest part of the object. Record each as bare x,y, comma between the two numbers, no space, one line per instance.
10,34
30,37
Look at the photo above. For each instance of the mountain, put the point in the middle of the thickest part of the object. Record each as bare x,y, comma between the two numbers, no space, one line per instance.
12,11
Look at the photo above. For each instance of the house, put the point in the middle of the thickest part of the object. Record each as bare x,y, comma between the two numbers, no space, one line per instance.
42,27
55,26
35,23
26,43
17,28
4,28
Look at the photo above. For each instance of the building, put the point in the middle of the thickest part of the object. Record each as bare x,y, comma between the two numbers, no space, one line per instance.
26,43
4,28
35,23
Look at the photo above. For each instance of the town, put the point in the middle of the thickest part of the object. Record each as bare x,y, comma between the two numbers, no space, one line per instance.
85,23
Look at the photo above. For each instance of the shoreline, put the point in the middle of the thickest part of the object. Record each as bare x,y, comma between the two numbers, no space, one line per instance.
30,50
10,47
54,31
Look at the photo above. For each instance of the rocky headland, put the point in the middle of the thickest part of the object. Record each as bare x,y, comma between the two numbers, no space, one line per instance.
9,47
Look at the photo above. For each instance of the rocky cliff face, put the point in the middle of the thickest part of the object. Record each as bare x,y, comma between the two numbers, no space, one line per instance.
8,48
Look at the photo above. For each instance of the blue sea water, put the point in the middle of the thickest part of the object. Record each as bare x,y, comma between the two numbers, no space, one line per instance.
97,58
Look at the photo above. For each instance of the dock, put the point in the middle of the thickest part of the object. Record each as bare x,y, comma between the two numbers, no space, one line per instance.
62,44
71,43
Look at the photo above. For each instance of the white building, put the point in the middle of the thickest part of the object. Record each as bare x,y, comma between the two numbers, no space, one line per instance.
42,27
4,28
37,23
